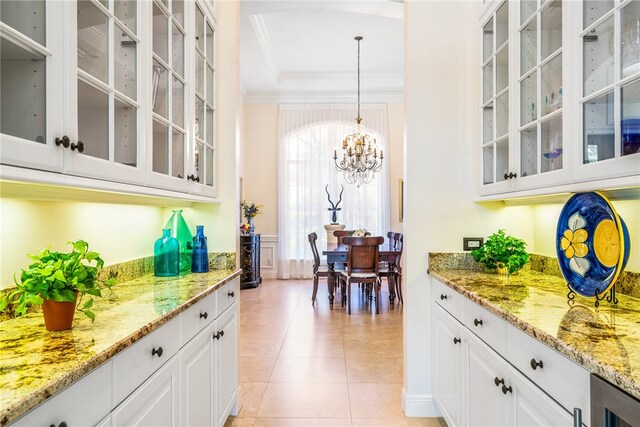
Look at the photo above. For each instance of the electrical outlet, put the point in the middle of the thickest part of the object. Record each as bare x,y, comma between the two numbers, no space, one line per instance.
471,243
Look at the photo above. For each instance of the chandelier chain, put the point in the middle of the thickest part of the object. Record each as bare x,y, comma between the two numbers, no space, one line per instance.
358,38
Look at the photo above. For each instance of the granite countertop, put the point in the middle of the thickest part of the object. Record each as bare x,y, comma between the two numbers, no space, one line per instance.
604,340
35,363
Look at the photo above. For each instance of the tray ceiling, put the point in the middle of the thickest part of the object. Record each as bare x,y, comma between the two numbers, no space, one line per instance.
304,51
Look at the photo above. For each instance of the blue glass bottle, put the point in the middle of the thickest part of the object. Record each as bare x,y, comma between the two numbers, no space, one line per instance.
199,256
166,255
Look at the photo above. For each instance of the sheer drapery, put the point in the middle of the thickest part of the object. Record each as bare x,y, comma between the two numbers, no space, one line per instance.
308,136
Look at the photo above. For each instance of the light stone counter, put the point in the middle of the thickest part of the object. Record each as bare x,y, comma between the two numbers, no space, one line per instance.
35,363
604,340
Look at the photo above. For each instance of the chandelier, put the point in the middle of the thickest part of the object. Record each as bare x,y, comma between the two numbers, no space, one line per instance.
360,158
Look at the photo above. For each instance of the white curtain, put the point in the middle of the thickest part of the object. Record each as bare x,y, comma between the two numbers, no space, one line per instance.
308,136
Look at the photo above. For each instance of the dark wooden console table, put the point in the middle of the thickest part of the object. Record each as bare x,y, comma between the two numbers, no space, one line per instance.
250,261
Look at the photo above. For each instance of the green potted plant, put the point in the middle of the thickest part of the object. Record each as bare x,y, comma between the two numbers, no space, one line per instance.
59,281
502,252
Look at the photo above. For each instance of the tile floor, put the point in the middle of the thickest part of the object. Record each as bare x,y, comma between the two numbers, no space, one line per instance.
304,365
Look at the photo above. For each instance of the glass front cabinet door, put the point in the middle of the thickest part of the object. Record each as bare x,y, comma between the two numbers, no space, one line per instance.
522,97
609,89
110,94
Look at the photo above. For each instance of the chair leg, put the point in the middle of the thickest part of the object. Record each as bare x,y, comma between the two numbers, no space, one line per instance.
315,290
398,281
392,285
377,286
348,284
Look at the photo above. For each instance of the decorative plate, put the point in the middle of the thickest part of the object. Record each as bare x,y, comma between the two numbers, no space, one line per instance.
592,244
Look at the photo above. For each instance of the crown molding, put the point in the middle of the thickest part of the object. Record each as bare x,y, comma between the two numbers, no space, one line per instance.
264,41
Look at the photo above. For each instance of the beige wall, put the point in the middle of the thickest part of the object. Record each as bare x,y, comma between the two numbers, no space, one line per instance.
260,161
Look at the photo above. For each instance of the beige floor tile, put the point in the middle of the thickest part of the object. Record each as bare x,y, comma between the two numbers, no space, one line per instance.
369,370
305,400
396,422
377,349
251,398
302,422
368,400
264,331
332,348
259,347
314,332
256,368
309,369
239,422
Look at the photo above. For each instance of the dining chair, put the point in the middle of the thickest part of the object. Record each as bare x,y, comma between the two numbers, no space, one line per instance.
342,233
363,262
393,272
318,270
399,244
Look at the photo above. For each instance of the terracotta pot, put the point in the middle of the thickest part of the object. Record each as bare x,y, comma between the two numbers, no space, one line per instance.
58,316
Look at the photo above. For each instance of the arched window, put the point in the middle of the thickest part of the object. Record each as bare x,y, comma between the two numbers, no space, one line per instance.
306,167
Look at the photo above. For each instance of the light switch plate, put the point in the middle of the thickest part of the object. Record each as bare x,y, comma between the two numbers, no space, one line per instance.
471,243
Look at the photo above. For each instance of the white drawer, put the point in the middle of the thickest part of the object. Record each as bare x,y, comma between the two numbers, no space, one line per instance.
140,360
487,326
447,298
196,317
92,392
564,380
227,294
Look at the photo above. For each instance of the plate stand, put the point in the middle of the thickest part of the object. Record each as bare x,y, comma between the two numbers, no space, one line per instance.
610,296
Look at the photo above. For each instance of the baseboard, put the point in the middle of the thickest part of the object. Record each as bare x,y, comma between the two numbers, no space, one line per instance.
268,274
419,405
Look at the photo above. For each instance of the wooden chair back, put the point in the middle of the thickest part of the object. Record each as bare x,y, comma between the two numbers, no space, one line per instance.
313,237
398,245
391,236
342,233
363,254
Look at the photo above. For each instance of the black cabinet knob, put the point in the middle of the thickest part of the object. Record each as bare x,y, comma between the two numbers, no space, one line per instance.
231,294
62,424
456,340
443,296
535,365
510,175
64,141
204,315
221,334
477,322
506,389
193,178
158,352
216,336
498,381
79,146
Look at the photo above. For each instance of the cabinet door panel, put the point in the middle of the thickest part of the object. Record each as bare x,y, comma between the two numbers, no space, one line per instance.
448,366
226,364
196,365
532,407
155,403
486,402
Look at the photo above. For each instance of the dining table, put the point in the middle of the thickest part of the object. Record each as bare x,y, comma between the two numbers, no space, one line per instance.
336,254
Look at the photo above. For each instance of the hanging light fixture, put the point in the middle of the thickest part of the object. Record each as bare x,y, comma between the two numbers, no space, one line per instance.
360,158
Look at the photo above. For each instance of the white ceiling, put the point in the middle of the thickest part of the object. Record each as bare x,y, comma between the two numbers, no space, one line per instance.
304,50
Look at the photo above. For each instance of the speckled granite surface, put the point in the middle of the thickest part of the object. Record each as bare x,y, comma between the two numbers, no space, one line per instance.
606,341
35,364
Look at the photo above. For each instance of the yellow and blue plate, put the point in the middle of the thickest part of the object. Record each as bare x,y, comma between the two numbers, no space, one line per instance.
592,243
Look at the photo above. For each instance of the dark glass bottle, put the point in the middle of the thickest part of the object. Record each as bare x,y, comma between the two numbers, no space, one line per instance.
166,255
199,256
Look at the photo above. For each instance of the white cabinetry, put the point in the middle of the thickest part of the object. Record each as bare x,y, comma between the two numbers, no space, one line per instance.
155,403
559,104
479,365
183,373
109,95
63,407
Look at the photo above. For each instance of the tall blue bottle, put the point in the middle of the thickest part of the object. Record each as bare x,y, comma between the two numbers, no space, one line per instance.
199,256
166,255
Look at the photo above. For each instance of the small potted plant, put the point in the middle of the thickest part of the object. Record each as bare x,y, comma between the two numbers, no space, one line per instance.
59,281
249,211
502,253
